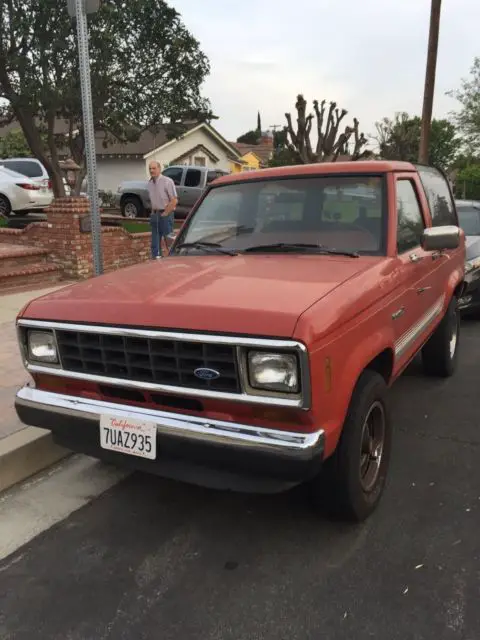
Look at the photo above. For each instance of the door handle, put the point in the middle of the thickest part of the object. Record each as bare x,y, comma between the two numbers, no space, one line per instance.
415,258
423,289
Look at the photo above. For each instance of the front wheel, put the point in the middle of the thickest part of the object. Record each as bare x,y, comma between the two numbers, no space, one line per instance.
353,480
132,207
440,354
5,206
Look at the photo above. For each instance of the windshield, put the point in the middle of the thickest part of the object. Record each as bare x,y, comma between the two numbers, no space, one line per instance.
343,213
469,218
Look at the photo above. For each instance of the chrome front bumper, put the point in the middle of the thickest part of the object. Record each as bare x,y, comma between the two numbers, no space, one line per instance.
240,448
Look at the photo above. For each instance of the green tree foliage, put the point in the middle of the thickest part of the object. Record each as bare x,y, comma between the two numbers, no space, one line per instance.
251,137
282,154
399,139
147,70
468,118
468,182
14,145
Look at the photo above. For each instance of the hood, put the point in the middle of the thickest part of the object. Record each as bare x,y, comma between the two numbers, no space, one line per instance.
472,246
259,295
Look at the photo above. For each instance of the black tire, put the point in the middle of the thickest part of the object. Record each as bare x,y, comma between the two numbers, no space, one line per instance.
352,480
5,206
440,354
132,207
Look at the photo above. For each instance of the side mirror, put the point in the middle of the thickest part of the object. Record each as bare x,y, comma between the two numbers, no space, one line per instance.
441,238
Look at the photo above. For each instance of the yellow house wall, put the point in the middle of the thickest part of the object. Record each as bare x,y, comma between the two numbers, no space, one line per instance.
252,161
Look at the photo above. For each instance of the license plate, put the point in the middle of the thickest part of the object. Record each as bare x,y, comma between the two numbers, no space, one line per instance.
129,436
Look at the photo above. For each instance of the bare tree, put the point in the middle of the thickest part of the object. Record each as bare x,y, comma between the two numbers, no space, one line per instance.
330,143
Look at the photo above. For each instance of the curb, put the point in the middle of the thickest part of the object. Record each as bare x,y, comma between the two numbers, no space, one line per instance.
25,453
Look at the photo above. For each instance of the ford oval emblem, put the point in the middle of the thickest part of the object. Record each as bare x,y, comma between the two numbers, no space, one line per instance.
206,374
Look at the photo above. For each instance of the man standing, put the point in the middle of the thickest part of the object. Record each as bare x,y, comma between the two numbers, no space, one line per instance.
163,198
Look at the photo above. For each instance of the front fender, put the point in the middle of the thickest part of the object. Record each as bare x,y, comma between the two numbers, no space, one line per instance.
351,355
456,285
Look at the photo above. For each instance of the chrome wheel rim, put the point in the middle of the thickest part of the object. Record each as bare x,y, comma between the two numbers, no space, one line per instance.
454,336
130,210
372,446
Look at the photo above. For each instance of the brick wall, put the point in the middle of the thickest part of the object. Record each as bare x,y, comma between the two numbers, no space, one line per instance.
71,249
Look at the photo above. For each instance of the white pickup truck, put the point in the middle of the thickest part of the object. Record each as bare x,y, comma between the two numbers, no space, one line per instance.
134,202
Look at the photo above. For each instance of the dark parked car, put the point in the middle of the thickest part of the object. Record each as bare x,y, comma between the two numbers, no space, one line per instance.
469,219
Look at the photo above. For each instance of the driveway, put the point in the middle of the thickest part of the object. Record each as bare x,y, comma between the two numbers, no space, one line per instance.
153,559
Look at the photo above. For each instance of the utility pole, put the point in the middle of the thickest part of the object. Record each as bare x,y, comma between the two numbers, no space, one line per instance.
429,80
78,9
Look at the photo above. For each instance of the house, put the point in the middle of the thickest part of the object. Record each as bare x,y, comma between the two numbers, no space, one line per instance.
200,145
119,161
254,156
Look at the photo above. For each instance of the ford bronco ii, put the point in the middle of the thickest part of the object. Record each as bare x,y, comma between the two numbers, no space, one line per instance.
259,353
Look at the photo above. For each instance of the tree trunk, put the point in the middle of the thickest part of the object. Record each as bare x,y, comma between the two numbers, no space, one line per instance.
79,178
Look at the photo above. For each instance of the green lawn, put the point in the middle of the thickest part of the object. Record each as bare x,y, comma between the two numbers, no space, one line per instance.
135,227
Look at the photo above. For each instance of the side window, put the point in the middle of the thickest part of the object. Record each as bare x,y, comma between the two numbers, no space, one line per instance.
410,223
439,198
175,173
193,178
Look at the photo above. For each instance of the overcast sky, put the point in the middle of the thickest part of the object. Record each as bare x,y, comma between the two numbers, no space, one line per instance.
368,55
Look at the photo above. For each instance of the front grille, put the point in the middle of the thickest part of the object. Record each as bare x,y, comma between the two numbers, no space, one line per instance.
157,360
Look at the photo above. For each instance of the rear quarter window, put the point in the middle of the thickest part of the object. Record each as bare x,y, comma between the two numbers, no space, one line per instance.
439,196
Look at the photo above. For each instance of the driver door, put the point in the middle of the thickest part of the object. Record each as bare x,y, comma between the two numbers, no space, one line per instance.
415,308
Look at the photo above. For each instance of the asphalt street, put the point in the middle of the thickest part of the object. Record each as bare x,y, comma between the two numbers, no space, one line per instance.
149,558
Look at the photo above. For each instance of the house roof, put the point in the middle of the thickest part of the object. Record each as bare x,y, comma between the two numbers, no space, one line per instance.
262,151
198,147
147,140
231,150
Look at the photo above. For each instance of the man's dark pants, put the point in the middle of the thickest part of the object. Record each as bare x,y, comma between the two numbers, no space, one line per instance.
161,227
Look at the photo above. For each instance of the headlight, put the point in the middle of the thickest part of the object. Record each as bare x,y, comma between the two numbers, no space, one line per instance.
273,371
472,264
42,347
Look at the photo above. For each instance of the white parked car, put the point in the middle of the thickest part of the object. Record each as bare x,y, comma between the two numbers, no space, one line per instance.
19,194
29,167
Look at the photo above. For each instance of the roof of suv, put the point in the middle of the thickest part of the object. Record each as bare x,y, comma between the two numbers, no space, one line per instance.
322,168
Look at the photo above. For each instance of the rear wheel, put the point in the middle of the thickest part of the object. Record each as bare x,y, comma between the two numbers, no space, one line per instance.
132,207
5,206
353,479
440,354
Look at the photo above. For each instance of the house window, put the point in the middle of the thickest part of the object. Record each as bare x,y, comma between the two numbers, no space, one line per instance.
199,161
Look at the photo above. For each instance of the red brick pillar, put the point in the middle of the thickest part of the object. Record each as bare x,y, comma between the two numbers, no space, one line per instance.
68,246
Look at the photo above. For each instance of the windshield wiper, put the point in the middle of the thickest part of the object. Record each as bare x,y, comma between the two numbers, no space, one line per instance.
213,247
299,246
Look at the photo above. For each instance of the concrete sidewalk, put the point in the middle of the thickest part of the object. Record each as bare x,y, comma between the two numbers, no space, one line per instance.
23,450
